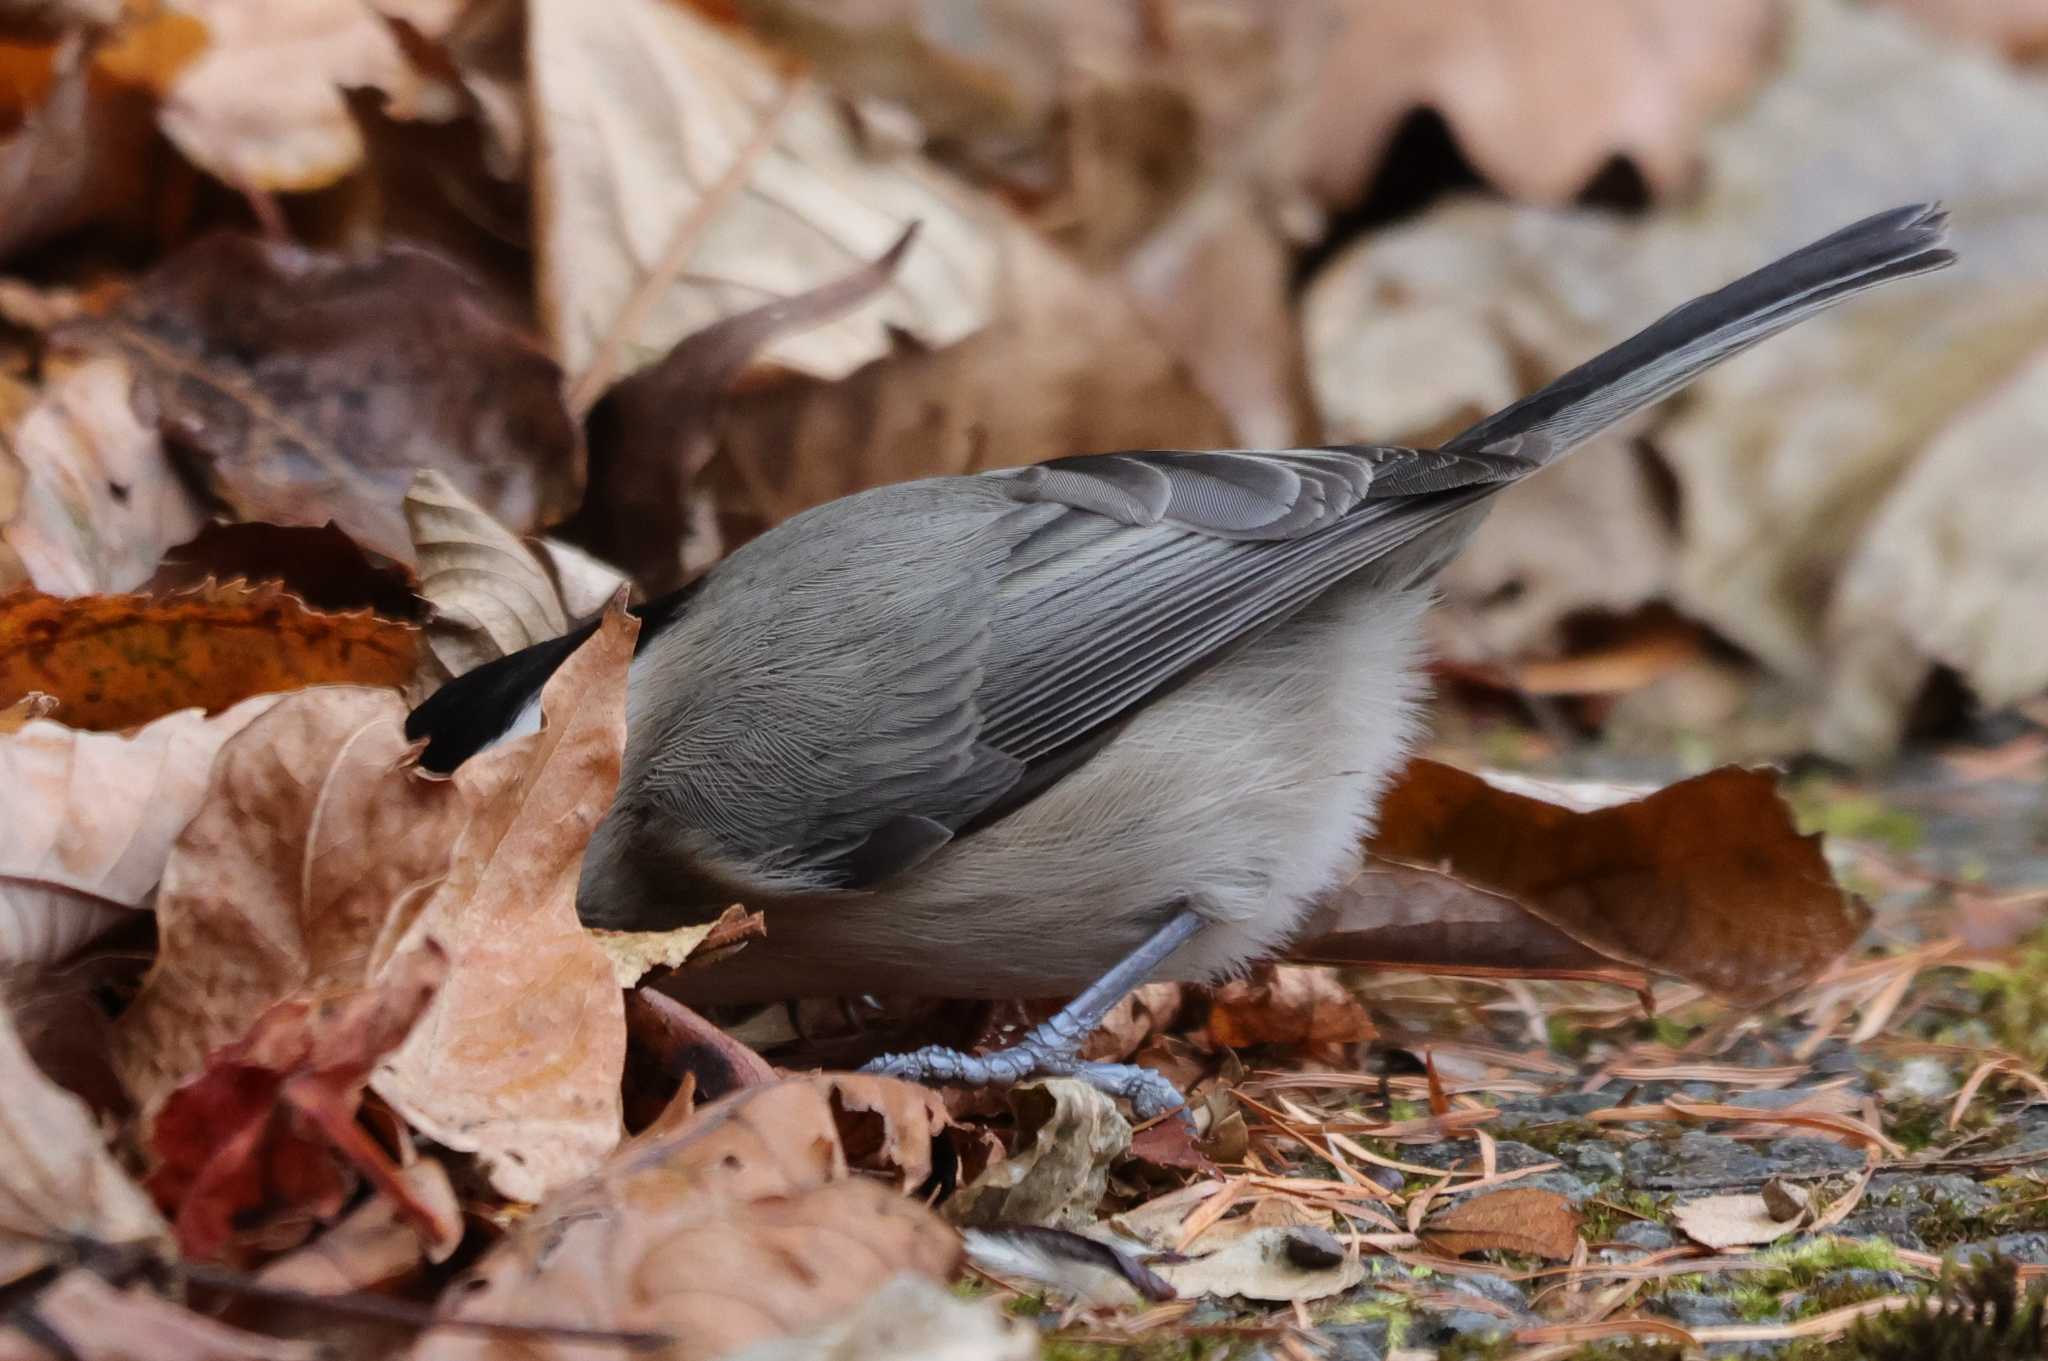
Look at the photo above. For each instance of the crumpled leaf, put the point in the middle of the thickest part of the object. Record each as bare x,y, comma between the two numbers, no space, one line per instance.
99,1322
1708,879
90,819
308,386
1255,1262
57,1179
98,502
909,1319
520,1060
319,564
315,841
490,595
1068,1135
639,107
1539,94
1290,1005
652,433
115,661
1525,1219
376,1243
263,1135
262,108
1730,1221
738,1225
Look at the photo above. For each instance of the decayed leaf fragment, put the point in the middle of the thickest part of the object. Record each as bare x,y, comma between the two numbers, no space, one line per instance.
1287,1004
738,1225
57,1179
115,661
315,840
640,106
520,1060
1708,879
1540,94
1068,1135
90,820
1523,1219
262,1135
308,386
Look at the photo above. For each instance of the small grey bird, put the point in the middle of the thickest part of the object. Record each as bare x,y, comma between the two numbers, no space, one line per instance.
1064,728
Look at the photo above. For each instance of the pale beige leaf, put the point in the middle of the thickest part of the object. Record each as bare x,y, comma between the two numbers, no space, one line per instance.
640,106
57,1178
99,501
519,1060
1069,1135
909,1319
635,954
314,842
1257,1265
263,108
90,819
99,1322
1730,1221
491,596
376,1244
583,582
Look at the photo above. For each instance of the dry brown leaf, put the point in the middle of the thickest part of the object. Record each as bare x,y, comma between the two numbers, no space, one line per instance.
1708,879
98,501
376,1243
1524,1219
315,841
490,595
116,661
90,819
1730,1221
1287,1004
1540,94
520,1060
320,565
736,1226
82,155
1067,366
99,1322
684,1047
57,1179
640,106
261,107
1068,1135
309,387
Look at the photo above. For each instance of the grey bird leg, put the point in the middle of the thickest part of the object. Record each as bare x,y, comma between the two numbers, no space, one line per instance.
1051,1047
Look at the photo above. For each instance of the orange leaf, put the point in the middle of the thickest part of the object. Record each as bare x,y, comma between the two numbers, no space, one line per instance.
1519,1219
116,661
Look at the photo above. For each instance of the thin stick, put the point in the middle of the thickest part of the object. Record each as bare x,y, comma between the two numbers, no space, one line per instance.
604,364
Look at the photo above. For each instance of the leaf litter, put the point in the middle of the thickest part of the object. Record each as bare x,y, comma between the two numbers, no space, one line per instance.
1566,1057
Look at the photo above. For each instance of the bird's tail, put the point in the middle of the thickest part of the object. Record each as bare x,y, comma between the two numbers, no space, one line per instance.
1684,343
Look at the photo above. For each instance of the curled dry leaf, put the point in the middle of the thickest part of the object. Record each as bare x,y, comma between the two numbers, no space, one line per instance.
98,503
1708,879
377,1243
521,1058
1068,1134
684,1047
740,1224
115,661
1730,1221
57,1180
319,564
262,106
90,820
262,1136
640,107
1523,1219
1259,1263
99,1322
1290,1005
314,839
1540,94
309,387
490,594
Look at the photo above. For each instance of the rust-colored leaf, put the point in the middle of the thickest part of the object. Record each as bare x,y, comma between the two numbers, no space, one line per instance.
319,564
521,1059
1522,1219
1287,1004
307,386
743,1223
1708,879
266,1132
116,661
315,839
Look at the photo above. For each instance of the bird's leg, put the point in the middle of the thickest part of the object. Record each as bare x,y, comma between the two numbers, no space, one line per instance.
1052,1047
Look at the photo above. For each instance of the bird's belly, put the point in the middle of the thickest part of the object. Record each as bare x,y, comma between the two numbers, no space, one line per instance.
1244,793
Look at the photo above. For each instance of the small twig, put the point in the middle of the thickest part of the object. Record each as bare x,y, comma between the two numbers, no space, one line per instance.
604,363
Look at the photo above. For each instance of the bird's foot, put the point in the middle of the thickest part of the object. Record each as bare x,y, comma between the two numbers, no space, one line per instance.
1037,1055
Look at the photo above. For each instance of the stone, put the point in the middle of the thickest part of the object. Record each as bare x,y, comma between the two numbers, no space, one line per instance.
1889,1222
1694,1309
2028,1249
1435,1330
1564,1183
1801,1156
1510,1155
1594,1158
1641,1233
1365,1340
1948,1193
1921,1078
1498,1289
1694,1162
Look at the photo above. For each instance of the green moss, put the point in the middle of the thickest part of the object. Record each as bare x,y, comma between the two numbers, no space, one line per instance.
1799,1264
1824,805
1603,1216
2013,1000
1982,1315
1394,1309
